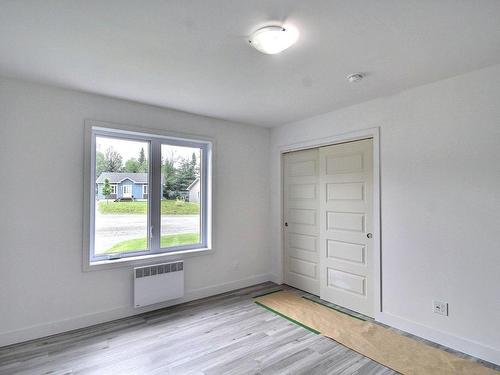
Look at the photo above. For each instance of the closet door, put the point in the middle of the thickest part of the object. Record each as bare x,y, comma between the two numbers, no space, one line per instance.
301,219
346,212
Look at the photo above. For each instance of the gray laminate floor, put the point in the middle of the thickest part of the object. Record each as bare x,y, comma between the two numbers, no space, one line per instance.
225,334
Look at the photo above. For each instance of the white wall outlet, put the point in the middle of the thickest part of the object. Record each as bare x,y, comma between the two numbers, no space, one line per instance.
440,308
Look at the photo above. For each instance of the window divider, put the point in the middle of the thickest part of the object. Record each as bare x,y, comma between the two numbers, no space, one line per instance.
155,173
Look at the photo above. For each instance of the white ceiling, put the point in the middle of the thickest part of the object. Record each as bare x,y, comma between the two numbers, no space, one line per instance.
194,56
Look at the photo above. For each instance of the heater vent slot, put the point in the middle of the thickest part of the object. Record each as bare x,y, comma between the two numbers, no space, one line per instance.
158,269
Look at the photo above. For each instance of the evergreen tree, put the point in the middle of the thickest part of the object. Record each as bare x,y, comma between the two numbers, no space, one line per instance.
178,174
169,179
186,173
143,162
142,156
194,164
106,189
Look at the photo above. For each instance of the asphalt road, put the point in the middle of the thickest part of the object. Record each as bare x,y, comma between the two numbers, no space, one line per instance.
111,229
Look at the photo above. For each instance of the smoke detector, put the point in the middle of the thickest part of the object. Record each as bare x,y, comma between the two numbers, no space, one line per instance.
356,77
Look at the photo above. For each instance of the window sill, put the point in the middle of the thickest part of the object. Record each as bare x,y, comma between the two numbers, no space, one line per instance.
145,259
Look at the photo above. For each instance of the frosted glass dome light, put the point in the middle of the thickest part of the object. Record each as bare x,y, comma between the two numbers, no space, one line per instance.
273,39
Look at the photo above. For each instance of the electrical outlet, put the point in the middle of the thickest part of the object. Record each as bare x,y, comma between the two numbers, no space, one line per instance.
440,308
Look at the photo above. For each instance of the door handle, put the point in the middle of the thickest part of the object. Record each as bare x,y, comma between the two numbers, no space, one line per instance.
286,224
369,235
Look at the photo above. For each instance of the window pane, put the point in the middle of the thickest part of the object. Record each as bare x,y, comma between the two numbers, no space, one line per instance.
181,196
121,201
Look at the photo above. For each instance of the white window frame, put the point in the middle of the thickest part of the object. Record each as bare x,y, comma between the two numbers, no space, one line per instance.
113,188
144,189
155,138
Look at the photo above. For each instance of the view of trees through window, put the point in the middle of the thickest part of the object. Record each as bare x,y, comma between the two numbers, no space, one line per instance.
181,186
123,202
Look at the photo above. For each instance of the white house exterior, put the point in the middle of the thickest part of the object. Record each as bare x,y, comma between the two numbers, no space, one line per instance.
194,191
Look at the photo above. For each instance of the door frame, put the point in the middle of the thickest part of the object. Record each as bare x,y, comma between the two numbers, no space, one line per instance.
358,135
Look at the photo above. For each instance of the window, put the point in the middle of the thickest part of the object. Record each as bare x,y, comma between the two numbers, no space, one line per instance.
140,197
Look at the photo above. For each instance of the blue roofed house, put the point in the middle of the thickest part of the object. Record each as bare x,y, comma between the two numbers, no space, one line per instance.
123,185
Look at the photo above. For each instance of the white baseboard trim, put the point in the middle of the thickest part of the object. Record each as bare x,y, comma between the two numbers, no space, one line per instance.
81,321
276,279
461,344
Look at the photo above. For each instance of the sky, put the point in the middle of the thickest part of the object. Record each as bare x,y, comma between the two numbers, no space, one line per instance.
131,149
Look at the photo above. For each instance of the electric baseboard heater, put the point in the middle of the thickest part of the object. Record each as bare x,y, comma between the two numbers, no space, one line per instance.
158,283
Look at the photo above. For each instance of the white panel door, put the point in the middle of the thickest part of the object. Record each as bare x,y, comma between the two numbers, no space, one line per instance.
126,191
346,214
301,218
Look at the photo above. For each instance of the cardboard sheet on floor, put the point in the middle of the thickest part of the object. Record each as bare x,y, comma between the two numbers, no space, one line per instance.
391,349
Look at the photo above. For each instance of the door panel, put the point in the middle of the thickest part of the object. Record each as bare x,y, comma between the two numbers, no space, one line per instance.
345,221
303,191
347,281
301,213
345,191
346,251
302,216
303,242
302,267
348,163
346,211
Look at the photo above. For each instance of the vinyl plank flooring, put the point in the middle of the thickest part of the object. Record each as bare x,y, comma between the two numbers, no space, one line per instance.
224,334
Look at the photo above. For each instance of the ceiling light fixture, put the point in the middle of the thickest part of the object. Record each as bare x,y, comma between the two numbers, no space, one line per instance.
273,39
356,77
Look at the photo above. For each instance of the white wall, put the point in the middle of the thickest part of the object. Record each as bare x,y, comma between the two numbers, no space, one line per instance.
440,172
42,287
440,207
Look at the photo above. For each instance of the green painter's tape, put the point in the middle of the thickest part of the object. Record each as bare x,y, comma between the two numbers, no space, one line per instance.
288,318
265,294
333,308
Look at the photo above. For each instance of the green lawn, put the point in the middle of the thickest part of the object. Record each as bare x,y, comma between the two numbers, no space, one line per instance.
168,240
168,207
